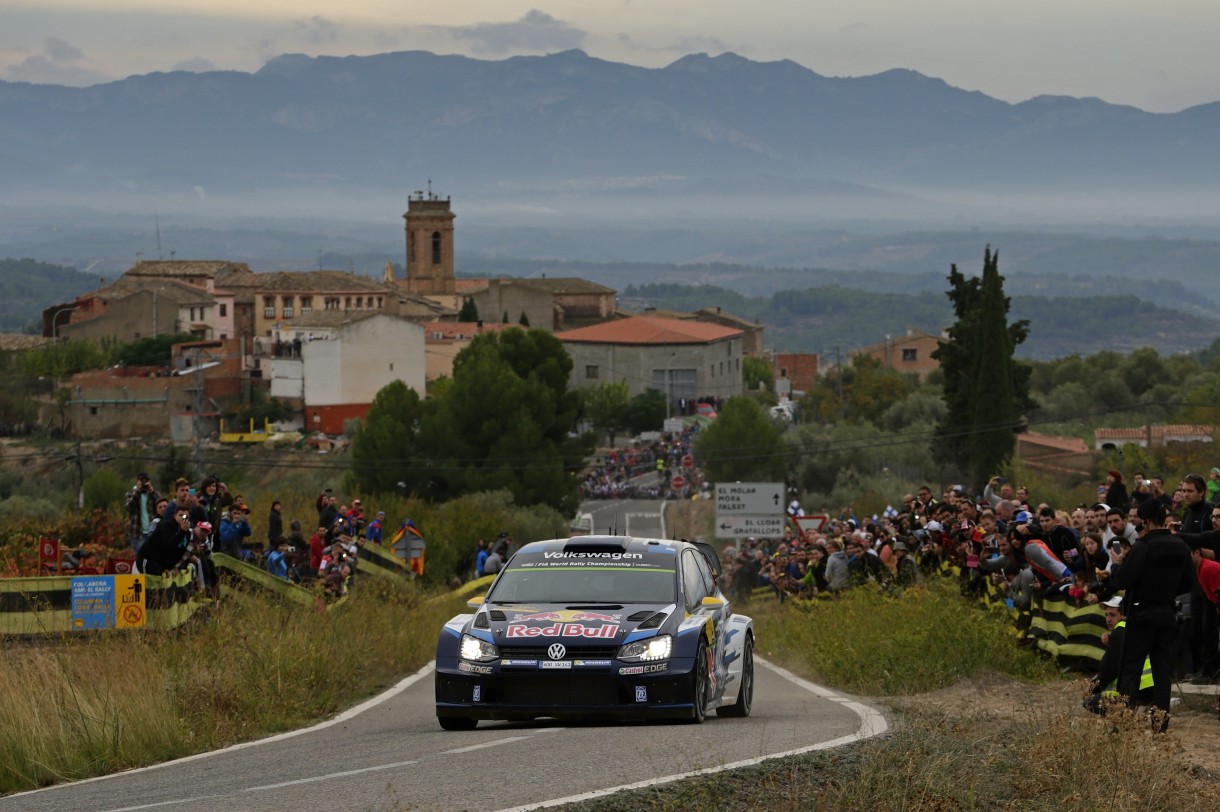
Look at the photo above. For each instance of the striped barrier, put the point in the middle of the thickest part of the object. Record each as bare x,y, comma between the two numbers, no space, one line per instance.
30,606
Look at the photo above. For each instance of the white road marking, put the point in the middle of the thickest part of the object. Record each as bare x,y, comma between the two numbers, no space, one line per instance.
331,775
872,723
402,685
495,743
162,803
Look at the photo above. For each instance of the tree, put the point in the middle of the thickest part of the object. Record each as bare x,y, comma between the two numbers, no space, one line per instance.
505,422
382,449
742,444
606,405
524,321
469,311
645,411
151,351
756,374
986,390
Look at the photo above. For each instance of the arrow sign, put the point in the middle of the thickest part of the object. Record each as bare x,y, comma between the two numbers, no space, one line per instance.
750,498
740,527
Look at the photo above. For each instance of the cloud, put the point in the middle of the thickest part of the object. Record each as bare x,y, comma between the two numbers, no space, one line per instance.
535,31
59,51
697,45
59,63
196,64
317,30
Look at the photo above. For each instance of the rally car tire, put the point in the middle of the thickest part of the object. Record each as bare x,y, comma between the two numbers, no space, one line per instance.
745,696
701,686
457,722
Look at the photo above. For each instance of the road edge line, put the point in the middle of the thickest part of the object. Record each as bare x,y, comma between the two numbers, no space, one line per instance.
872,723
350,713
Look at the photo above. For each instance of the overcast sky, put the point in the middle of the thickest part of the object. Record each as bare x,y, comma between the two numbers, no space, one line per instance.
1157,56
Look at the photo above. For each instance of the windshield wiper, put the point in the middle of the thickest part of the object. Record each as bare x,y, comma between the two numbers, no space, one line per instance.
595,605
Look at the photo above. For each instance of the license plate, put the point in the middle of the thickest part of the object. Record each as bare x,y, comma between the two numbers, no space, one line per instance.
555,664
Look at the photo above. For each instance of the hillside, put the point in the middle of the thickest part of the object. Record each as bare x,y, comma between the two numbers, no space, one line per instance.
28,286
819,319
704,134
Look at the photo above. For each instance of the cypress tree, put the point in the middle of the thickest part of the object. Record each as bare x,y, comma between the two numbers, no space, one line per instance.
986,389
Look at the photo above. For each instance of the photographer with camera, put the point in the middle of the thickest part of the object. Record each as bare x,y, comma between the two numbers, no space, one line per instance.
279,560
141,503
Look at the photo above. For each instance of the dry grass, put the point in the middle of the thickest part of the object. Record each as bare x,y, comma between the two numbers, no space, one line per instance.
78,707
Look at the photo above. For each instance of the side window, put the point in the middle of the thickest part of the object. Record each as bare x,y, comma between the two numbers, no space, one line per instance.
705,572
692,582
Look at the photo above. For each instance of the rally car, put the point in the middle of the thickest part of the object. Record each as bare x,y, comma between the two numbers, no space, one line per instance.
598,627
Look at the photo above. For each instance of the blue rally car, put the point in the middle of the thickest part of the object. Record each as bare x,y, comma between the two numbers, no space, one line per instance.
598,627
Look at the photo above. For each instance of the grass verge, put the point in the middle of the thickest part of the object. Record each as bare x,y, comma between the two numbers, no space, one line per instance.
83,706
1046,756
878,645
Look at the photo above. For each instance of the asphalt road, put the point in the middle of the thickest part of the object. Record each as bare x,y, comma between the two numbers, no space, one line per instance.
626,517
390,754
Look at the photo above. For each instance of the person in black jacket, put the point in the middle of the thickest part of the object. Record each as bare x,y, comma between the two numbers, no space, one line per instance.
167,544
1156,571
1116,491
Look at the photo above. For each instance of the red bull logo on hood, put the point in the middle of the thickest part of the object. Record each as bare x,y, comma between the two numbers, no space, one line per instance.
605,632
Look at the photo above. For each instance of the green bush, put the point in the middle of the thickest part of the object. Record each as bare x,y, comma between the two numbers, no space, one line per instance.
105,489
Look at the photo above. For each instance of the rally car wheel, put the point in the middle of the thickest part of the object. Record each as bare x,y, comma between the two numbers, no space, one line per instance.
701,686
457,722
745,696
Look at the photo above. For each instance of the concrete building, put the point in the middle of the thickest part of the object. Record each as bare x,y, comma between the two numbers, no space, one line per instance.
333,363
443,340
548,304
281,298
182,401
1059,455
909,353
684,359
1152,436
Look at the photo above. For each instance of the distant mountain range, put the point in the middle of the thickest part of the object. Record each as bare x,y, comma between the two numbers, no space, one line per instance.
571,125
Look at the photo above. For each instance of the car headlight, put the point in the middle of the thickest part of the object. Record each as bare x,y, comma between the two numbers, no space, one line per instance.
477,650
654,648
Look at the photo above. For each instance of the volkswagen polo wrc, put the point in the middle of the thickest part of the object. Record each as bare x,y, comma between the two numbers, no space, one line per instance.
598,627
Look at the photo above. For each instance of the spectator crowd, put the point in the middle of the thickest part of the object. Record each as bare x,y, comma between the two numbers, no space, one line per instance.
1146,556
180,532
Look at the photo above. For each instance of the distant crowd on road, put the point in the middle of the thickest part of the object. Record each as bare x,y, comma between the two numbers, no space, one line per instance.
1148,557
645,470
180,533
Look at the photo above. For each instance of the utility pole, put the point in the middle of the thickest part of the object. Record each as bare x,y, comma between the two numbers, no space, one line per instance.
80,477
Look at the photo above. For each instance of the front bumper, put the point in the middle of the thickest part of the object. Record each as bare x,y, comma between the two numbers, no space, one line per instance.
615,690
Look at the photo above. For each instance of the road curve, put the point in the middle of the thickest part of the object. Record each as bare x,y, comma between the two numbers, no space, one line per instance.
389,753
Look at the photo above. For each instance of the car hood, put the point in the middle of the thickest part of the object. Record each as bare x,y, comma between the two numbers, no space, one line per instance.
538,624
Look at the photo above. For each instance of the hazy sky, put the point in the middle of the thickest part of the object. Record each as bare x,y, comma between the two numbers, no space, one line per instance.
1157,56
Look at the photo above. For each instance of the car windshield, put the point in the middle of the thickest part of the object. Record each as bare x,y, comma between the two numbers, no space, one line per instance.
585,583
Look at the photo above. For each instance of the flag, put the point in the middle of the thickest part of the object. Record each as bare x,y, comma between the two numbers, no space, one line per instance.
416,564
407,526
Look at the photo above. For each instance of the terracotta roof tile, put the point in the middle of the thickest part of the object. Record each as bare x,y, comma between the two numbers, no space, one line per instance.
1158,431
460,330
311,281
186,267
649,330
1054,441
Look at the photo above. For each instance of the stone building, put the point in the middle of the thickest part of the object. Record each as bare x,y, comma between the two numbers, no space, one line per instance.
686,360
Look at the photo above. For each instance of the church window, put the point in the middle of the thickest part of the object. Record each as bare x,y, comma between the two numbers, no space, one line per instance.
436,248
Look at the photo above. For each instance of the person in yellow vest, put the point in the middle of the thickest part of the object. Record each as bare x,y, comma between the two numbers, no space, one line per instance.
1103,690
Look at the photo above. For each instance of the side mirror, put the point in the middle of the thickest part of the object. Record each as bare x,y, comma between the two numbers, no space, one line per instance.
476,601
713,602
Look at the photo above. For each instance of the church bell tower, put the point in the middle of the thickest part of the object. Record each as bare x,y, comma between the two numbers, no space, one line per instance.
429,244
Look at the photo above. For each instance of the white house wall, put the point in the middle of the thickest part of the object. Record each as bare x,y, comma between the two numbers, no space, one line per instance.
361,358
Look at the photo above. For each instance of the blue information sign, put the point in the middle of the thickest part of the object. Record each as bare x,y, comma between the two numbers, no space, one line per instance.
93,602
